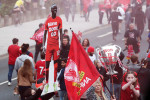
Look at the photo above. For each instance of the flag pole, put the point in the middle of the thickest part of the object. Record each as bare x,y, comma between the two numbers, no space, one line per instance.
107,87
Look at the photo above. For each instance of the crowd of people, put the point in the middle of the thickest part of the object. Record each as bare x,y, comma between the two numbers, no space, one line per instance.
130,85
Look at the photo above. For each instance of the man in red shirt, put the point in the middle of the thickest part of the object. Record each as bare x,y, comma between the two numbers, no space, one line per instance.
52,26
40,66
13,51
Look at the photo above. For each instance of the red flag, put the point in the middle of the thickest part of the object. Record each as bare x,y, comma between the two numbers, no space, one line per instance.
38,36
80,73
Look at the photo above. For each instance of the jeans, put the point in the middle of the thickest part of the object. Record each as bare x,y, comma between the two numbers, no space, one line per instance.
62,94
117,89
11,68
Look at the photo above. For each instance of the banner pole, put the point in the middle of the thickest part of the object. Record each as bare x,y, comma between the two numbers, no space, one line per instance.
107,87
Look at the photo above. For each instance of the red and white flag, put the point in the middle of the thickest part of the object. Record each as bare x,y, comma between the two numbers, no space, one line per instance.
38,36
80,73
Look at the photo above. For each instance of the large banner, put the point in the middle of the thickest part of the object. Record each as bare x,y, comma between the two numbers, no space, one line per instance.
80,73
38,36
108,56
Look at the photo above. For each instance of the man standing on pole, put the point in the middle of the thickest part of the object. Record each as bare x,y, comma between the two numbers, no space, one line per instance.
52,25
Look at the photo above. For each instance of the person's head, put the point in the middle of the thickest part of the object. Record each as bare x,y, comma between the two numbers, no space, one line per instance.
15,41
54,9
26,69
29,92
97,63
129,76
42,55
98,87
134,59
65,40
131,26
40,25
63,62
65,31
23,50
90,50
86,42
27,46
144,63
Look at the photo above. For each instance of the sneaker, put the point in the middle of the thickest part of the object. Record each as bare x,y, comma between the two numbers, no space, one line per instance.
9,83
46,88
55,86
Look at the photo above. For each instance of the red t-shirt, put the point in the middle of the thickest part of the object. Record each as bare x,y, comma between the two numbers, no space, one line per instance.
147,2
13,51
52,26
128,93
107,3
40,66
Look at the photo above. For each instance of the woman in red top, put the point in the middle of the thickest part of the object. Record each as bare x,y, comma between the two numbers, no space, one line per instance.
130,89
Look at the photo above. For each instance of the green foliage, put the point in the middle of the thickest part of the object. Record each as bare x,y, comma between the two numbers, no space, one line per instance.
7,7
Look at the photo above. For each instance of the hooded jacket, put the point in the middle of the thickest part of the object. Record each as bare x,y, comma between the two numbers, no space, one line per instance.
20,61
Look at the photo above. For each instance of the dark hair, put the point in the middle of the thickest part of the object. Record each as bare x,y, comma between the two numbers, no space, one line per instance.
88,44
15,40
64,59
26,45
40,25
66,37
23,49
65,30
134,58
42,55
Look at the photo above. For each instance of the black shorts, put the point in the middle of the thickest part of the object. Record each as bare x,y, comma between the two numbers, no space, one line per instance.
136,48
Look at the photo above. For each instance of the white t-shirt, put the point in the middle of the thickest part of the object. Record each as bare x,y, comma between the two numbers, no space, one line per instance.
93,58
122,12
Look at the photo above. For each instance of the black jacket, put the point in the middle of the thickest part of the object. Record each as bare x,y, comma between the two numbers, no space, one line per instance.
61,79
114,17
144,80
102,71
64,51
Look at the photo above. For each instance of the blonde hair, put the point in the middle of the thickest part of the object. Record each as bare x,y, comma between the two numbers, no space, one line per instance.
102,92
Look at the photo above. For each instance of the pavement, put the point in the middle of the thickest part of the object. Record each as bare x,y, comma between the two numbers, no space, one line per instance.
25,31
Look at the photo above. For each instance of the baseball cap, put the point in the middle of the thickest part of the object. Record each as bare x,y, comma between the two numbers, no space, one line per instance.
90,49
